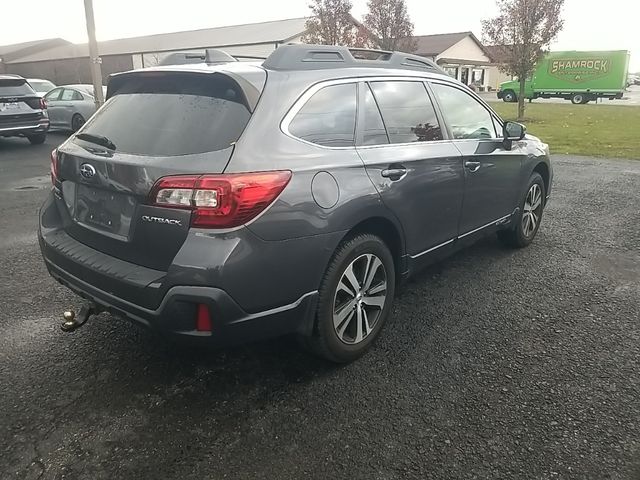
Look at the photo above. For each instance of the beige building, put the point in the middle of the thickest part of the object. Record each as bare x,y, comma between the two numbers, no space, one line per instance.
461,55
496,75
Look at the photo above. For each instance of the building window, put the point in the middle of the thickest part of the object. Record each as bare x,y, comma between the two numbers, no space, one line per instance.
478,76
452,71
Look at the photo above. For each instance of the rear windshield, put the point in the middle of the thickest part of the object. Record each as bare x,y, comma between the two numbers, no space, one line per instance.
41,85
14,87
172,114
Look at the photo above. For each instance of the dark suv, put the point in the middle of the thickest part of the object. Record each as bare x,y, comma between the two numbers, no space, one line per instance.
23,113
236,201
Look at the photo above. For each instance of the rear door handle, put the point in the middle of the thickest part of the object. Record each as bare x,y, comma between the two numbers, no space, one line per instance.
472,166
395,173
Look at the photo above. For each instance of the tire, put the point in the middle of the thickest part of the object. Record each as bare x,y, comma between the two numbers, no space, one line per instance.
76,122
579,99
510,96
343,315
37,139
527,222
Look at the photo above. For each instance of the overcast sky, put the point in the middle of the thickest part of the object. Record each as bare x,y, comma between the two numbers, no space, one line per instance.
588,26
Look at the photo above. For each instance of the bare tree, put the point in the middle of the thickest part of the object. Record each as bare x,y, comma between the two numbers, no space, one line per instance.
524,29
331,23
388,21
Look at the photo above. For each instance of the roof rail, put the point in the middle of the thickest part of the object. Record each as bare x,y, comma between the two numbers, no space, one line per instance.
317,57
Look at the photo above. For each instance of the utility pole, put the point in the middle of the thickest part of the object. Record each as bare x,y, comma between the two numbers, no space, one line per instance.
94,58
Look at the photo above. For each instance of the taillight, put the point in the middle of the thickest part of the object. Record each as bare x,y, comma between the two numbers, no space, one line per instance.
43,104
54,166
220,201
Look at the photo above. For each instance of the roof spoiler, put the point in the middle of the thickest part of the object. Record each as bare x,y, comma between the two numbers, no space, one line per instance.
317,57
211,56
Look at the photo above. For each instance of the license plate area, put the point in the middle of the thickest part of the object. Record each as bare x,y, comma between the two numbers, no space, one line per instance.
104,211
9,106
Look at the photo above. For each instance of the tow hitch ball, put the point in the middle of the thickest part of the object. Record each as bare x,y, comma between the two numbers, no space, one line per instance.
73,320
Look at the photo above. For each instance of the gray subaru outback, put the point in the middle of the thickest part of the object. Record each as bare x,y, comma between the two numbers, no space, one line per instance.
228,201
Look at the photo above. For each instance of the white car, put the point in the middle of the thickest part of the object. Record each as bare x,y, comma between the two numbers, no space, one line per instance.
40,86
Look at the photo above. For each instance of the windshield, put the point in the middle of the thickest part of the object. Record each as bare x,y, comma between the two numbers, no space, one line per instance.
171,115
41,85
14,87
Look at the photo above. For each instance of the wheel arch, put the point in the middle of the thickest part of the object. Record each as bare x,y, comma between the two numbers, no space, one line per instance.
543,169
390,233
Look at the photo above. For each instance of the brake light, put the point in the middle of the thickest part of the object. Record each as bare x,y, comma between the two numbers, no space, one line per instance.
220,201
54,166
43,104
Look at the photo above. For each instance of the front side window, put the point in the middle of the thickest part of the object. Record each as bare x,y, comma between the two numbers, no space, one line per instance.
53,95
328,118
407,111
466,117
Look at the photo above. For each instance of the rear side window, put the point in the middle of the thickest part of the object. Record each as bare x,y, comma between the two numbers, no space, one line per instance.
14,87
172,114
68,94
328,118
407,112
466,117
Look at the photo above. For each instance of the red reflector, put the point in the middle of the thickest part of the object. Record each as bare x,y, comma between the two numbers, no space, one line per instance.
203,318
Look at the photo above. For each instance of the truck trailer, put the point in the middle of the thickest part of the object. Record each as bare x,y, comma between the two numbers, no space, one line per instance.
577,76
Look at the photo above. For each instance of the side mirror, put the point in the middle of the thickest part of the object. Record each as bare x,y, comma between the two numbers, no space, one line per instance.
512,132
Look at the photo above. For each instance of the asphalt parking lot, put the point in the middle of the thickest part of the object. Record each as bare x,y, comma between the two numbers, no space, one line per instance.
496,364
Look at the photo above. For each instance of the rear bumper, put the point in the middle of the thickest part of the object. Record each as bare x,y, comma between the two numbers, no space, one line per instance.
248,299
175,317
34,129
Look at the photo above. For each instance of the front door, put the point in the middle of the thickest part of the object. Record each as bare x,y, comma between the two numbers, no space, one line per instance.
418,174
53,106
492,173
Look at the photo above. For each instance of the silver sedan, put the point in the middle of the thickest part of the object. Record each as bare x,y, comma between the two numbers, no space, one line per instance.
69,106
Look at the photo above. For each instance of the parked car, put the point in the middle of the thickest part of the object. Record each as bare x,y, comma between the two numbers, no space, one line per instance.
40,86
22,112
236,201
70,106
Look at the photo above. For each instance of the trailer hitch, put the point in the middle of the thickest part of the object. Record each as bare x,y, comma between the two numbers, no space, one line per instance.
73,321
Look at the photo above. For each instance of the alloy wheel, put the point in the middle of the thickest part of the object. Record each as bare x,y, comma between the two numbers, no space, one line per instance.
532,210
359,299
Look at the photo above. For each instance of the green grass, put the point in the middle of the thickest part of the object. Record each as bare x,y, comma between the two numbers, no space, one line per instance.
592,130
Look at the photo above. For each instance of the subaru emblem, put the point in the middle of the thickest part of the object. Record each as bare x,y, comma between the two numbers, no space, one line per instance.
87,170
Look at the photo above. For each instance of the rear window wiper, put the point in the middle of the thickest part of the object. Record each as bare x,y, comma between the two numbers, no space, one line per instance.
97,139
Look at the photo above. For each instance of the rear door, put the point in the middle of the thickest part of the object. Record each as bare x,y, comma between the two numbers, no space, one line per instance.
417,172
492,173
68,105
155,125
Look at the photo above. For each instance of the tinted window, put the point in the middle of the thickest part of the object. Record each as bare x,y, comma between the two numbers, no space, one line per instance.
373,132
466,117
407,112
68,95
328,118
14,87
173,114
53,95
